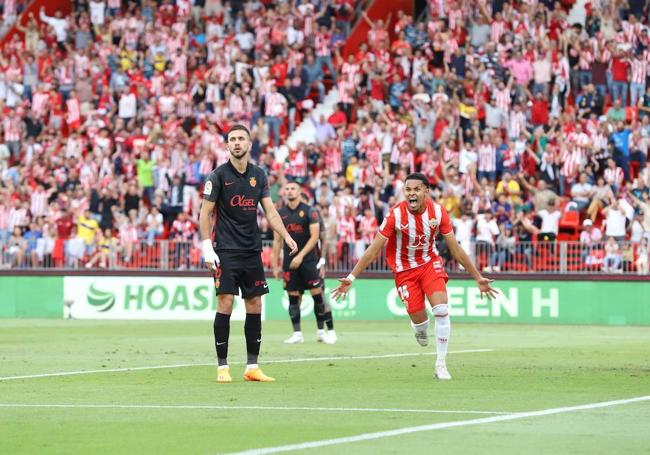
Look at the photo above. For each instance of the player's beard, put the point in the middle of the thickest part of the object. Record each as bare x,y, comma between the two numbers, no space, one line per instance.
239,154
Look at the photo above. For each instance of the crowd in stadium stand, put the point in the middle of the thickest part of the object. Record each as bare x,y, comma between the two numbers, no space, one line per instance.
530,129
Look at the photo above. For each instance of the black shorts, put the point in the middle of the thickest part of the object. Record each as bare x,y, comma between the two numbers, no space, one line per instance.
304,277
240,270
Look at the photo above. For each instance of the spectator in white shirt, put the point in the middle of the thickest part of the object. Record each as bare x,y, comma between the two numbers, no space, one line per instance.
550,221
615,221
581,193
463,227
127,107
59,24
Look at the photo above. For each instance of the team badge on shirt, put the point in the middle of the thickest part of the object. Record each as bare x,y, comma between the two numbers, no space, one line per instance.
434,223
207,190
253,181
301,214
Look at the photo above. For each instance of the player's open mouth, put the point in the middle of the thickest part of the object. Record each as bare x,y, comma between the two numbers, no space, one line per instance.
413,202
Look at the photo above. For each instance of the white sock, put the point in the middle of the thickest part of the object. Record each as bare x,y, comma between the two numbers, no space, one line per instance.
251,366
422,327
320,332
442,331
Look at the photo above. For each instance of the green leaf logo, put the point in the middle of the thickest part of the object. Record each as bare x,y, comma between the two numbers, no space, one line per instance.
101,300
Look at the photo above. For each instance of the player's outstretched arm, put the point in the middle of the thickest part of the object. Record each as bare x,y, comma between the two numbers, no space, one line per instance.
205,229
368,256
276,223
459,254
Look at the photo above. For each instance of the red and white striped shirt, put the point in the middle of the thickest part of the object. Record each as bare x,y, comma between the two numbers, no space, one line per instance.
333,159
614,176
487,158
639,71
184,105
367,228
498,29
297,164
17,217
502,99
350,71
345,91
322,44
586,58
276,105
128,233
455,18
38,205
347,229
39,103
517,123
74,111
412,237
12,127
572,162
4,218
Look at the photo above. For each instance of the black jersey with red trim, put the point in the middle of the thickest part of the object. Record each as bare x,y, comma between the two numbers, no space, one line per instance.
297,223
236,196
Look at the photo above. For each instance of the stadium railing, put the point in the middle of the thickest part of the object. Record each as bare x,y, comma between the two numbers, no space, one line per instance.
169,255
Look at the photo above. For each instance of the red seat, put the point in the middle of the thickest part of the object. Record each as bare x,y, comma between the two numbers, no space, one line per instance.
569,226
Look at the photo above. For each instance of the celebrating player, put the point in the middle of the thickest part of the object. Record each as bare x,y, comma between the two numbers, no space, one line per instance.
301,271
237,187
410,229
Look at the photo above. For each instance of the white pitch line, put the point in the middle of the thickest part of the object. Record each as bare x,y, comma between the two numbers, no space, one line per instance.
258,408
185,365
438,426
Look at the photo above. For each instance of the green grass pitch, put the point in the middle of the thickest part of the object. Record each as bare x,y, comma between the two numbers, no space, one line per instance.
387,385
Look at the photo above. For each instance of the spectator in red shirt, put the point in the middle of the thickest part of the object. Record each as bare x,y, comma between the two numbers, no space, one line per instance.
619,77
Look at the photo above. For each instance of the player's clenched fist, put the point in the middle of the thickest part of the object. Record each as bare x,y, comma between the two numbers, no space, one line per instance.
209,256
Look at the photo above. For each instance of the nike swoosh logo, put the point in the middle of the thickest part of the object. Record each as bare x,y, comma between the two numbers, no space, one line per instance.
221,344
259,340
228,183
266,285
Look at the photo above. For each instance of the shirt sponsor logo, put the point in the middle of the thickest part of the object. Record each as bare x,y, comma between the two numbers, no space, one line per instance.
295,227
240,201
418,241
207,189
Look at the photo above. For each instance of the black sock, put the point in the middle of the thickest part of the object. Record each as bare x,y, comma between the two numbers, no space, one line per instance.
319,309
294,312
253,333
221,328
328,320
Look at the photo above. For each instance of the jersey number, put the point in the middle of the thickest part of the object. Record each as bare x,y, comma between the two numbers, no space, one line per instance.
403,292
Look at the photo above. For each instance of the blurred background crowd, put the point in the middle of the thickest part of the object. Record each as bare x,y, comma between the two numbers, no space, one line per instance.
532,128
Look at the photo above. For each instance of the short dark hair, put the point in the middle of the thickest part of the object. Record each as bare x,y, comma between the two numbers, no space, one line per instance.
239,127
418,176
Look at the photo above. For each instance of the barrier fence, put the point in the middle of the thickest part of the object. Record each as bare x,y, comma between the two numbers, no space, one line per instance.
166,255
137,297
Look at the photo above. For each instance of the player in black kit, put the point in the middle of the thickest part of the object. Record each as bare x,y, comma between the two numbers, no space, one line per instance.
236,188
301,271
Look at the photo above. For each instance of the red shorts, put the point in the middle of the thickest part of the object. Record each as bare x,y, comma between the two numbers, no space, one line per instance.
415,284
